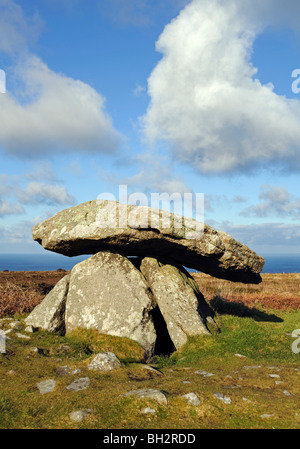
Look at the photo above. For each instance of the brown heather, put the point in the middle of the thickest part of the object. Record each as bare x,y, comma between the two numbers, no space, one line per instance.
21,291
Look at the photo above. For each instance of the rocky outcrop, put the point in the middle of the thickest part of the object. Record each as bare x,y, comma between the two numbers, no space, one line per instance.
134,230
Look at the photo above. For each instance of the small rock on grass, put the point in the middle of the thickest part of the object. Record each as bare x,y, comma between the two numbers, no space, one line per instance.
22,336
67,370
79,415
152,370
192,399
16,325
204,373
149,393
36,350
225,399
79,384
148,410
30,329
46,386
286,393
105,361
251,366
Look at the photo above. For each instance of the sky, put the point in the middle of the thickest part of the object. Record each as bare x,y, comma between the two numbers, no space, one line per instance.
162,96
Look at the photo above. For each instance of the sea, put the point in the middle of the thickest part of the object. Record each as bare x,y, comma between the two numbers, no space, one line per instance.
51,261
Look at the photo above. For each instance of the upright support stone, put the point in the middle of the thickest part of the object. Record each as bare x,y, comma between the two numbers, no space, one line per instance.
179,299
109,294
50,313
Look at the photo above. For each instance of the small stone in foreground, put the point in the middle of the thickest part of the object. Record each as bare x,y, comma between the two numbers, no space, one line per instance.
46,386
22,336
148,410
35,349
79,415
204,373
149,393
251,366
66,370
192,399
16,325
105,361
225,399
79,384
30,329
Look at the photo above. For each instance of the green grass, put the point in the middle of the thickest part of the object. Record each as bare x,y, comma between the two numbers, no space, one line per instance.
263,337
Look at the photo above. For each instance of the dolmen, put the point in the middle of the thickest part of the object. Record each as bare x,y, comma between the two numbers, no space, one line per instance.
136,283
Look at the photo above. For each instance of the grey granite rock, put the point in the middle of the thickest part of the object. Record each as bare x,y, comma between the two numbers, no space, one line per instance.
46,386
105,361
178,297
149,393
50,313
109,294
134,230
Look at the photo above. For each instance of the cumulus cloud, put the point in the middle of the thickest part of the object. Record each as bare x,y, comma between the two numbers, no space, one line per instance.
34,192
205,100
157,176
59,113
270,237
8,208
39,193
275,201
47,111
16,30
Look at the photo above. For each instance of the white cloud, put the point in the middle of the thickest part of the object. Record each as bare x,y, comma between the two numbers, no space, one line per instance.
267,237
8,208
16,30
39,193
61,114
35,192
156,176
139,90
275,201
48,111
205,100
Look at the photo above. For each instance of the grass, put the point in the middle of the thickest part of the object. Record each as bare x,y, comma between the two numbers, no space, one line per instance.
254,342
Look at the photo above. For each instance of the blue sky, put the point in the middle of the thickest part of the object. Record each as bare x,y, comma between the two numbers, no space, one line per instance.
163,96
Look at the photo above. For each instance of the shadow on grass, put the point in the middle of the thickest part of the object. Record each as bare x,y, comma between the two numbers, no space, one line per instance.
224,307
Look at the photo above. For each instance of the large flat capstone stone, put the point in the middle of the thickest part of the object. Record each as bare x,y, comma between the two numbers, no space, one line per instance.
136,230
109,294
